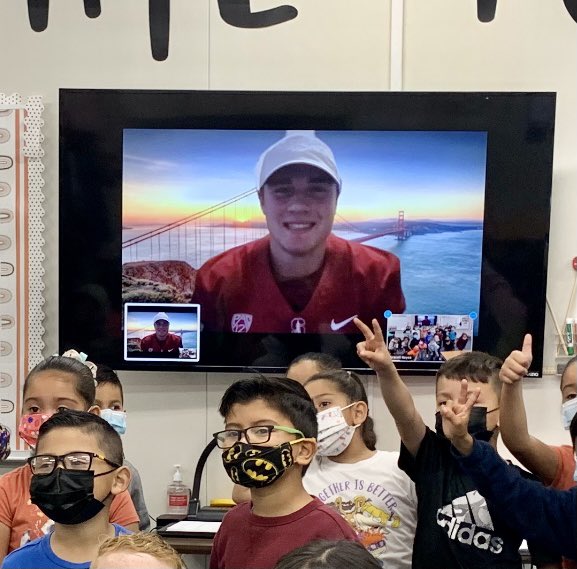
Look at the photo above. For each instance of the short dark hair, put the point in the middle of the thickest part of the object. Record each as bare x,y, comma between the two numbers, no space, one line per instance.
323,361
571,362
83,378
105,374
329,555
350,384
89,423
285,395
477,367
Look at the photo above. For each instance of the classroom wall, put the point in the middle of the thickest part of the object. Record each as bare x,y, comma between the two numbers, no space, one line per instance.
416,45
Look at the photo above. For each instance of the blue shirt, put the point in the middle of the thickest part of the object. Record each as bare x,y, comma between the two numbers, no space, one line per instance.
545,515
38,554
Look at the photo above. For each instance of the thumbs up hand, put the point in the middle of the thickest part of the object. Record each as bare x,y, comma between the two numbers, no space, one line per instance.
517,364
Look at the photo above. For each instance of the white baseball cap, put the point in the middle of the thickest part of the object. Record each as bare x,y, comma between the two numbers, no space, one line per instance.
297,147
161,316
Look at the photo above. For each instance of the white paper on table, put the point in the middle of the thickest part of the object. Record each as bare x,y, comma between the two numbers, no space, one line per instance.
194,527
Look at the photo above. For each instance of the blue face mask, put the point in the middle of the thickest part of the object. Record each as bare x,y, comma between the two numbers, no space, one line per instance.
568,411
116,419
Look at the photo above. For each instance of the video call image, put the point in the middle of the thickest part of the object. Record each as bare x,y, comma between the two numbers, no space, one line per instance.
429,337
376,221
161,332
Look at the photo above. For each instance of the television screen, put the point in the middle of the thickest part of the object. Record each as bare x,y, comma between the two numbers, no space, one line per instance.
260,224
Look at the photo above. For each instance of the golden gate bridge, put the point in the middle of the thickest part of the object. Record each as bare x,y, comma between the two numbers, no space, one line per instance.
209,231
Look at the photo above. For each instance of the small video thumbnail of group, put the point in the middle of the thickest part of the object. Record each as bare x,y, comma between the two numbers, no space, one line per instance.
163,331
428,337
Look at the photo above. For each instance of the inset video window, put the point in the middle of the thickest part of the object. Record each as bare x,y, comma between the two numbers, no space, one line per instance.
161,332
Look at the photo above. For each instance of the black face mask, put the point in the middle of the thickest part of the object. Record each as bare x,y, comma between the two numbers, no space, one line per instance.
477,426
255,466
66,496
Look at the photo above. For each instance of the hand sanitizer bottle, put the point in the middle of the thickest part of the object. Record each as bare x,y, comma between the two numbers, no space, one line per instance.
178,494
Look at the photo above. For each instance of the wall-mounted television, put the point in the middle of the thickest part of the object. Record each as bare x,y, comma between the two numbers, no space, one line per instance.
234,230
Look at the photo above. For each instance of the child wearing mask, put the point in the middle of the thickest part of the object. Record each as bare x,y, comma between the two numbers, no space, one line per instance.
56,383
545,515
267,443
76,471
363,484
456,526
553,465
300,369
110,400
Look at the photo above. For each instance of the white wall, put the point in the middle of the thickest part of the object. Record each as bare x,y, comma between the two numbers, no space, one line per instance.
332,45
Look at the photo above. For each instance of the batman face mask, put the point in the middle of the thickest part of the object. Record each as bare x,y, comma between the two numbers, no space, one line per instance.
256,466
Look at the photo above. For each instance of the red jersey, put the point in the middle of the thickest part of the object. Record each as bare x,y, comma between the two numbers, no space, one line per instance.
237,290
257,542
151,343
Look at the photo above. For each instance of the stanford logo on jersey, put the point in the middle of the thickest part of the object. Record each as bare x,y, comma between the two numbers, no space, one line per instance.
298,326
241,323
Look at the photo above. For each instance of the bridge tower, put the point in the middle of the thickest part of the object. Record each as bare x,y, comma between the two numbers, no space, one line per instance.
401,232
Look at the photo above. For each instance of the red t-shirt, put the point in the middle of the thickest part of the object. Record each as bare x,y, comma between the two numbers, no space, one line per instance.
254,542
237,290
169,345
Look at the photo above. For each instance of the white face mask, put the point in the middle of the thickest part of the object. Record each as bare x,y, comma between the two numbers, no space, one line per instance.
568,411
335,434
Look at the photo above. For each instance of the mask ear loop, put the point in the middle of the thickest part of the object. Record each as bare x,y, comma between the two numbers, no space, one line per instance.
350,405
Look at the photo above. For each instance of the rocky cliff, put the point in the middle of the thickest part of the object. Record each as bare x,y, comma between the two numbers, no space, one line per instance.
158,281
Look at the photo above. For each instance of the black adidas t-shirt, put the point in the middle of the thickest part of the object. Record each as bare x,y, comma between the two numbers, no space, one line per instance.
456,528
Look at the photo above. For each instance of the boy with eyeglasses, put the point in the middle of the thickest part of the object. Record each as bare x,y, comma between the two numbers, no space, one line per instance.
268,442
76,472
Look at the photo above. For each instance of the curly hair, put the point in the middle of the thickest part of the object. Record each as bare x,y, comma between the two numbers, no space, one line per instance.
141,542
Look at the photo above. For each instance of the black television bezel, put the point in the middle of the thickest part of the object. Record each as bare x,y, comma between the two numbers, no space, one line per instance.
520,129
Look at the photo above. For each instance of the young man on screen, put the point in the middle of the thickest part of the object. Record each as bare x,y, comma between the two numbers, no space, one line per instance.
300,278
162,342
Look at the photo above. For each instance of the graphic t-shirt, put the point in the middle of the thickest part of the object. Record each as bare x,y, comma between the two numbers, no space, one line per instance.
456,526
39,554
375,497
27,522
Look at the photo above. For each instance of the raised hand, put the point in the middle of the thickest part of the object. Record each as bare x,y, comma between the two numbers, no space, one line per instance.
455,414
517,364
373,350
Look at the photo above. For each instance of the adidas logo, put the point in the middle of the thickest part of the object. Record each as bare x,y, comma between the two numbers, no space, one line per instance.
467,520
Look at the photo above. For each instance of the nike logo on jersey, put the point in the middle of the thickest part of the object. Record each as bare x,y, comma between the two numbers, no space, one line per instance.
338,325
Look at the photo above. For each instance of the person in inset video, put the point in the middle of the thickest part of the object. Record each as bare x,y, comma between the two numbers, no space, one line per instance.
162,342
300,278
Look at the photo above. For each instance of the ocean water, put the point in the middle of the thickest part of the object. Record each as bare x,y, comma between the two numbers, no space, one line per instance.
440,272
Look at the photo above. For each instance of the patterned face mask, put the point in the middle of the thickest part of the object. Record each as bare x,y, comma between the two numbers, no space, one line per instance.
255,466
335,434
30,425
4,442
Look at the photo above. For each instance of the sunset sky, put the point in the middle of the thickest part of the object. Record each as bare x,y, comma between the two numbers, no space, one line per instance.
170,174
